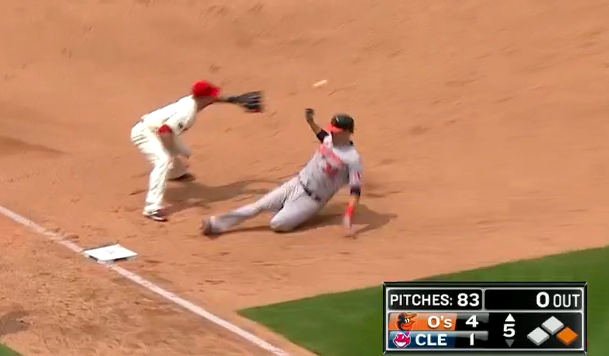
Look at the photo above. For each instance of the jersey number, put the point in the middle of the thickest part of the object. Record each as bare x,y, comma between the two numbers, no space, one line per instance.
330,170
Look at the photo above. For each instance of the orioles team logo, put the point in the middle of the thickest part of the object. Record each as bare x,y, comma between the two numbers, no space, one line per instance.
405,323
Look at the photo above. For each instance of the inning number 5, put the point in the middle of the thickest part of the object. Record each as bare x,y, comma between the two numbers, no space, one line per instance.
508,330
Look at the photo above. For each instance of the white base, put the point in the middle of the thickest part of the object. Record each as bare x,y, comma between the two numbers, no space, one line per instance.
112,253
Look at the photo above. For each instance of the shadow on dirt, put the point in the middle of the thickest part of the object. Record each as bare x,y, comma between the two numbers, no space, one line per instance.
332,216
11,323
194,194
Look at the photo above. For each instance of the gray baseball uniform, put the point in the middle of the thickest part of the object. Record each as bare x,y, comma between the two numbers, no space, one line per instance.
300,198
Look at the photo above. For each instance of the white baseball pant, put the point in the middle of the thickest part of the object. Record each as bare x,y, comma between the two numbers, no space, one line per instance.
292,204
165,166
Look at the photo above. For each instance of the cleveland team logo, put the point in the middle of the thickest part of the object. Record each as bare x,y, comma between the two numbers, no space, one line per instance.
405,323
402,340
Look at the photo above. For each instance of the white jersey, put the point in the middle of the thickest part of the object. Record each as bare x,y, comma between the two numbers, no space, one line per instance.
179,116
331,168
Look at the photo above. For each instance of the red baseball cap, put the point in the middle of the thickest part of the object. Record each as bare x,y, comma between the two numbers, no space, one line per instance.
204,88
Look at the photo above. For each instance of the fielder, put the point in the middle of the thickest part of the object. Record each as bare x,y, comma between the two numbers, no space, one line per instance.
335,164
157,136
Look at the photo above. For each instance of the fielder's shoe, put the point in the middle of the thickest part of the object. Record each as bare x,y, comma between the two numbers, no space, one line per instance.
186,177
208,229
157,215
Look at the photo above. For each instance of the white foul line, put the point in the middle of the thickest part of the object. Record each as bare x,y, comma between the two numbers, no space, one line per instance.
147,284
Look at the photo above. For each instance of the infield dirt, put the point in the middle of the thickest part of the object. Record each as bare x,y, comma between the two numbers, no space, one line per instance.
482,125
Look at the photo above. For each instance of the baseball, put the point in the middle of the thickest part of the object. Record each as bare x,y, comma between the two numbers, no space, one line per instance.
320,83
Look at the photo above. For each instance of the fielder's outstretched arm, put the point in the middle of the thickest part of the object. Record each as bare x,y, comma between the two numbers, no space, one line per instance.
251,101
224,99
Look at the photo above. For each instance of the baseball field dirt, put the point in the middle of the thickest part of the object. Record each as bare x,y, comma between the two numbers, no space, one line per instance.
482,125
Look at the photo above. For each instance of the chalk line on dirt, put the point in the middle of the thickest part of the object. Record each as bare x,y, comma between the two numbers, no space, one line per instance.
146,284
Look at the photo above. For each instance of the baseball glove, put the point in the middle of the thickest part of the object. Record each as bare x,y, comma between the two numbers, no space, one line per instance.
251,101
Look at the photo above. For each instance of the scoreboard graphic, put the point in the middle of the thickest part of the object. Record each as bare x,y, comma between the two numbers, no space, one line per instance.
485,317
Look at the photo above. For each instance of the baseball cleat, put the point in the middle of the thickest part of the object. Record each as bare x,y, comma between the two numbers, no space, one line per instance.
186,177
156,215
207,229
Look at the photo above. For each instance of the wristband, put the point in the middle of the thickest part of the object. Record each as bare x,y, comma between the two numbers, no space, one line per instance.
350,211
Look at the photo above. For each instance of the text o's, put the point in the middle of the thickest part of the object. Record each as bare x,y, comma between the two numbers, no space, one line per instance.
433,322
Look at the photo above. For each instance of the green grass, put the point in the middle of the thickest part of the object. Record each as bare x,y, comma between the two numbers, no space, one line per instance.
5,351
351,323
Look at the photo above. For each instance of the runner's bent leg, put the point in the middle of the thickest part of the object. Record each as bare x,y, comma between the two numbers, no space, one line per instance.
273,201
295,213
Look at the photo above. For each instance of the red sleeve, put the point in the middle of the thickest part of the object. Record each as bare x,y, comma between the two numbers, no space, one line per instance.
165,129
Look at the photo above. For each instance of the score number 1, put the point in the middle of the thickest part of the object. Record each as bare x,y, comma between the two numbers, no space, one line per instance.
473,322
